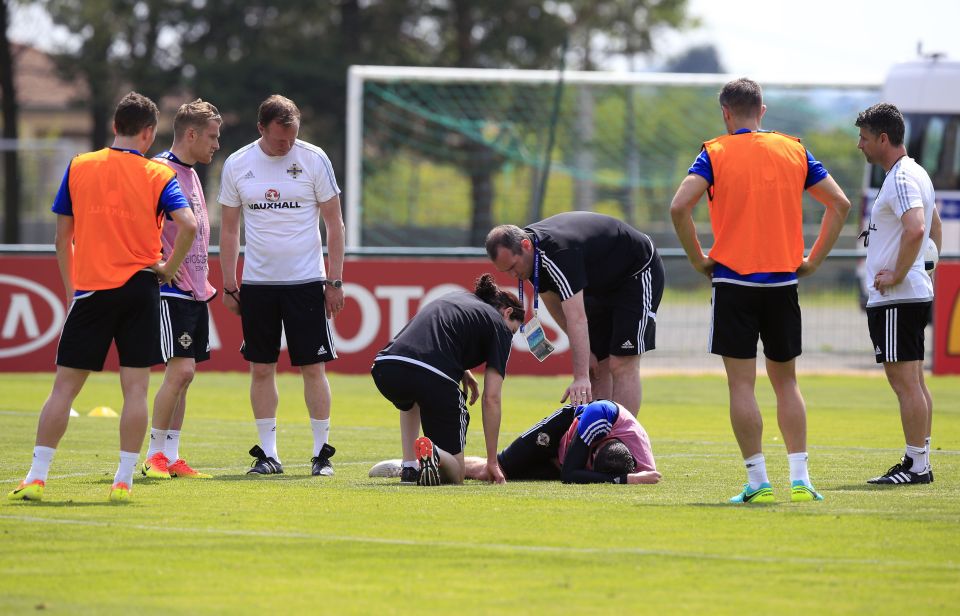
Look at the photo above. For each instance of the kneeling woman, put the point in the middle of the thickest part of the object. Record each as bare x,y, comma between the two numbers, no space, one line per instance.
422,369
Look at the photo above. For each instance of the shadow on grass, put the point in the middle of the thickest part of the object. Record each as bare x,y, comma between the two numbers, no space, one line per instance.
24,506
254,477
864,487
735,506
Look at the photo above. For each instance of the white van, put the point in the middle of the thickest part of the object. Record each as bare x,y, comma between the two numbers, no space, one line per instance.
927,92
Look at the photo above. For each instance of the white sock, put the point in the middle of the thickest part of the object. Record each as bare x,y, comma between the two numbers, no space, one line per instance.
798,467
926,445
321,431
128,460
756,470
172,447
158,440
920,457
268,436
414,464
40,468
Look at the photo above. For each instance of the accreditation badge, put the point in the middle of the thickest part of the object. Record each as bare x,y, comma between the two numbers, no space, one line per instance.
537,339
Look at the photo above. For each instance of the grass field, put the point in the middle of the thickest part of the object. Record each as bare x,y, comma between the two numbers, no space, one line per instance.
351,544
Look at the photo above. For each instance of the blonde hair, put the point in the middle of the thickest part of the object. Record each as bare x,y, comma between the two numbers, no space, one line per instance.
195,114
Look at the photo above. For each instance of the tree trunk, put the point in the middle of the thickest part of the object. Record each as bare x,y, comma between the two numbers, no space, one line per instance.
481,193
11,175
350,29
584,195
100,81
481,159
99,135
631,159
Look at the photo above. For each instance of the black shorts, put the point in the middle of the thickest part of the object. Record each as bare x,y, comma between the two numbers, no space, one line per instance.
129,314
184,329
298,311
443,405
741,314
624,322
897,331
533,455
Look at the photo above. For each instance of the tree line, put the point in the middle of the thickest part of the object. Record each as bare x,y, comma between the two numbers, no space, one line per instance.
236,52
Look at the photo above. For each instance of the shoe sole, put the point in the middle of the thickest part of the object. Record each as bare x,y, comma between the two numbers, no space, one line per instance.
119,495
388,469
274,467
895,484
24,496
429,474
803,496
760,497
152,474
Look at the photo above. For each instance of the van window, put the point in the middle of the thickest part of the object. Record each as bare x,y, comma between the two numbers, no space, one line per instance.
934,141
932,146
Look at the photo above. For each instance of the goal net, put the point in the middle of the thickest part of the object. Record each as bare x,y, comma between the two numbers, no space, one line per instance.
438,156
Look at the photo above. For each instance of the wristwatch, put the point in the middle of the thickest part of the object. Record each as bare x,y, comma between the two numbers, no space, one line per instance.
336,284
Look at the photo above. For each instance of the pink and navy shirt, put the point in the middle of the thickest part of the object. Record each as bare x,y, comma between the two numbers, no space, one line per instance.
601,421
195,268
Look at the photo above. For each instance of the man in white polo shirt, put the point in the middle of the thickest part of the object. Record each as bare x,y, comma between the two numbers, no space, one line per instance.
283,186
903,216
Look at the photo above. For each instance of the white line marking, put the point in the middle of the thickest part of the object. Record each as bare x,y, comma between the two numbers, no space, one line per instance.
496,547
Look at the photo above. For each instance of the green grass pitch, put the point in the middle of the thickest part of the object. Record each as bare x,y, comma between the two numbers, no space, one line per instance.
351,544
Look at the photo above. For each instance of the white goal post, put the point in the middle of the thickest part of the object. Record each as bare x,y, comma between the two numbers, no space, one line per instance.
361,77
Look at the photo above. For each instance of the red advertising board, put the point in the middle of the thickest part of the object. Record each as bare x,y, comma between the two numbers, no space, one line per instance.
381,296
946,320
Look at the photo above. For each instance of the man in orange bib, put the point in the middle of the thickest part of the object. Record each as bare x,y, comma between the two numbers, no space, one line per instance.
110,210
755,182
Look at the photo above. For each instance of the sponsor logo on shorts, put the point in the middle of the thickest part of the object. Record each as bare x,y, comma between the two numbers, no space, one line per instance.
877,351
543,439
322,350
627,345
185,340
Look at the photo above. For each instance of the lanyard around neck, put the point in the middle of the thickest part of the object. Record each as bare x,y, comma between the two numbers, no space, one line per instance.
536,279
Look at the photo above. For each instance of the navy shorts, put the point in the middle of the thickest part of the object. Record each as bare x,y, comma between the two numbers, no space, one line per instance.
184,329
296,310
897,331
443,405
129,315
533,454
742,314
624,322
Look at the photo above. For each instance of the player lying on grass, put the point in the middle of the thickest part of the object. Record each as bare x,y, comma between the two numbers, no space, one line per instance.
601,442
598,443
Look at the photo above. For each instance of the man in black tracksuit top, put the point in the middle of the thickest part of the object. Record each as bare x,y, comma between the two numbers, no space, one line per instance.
602,281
